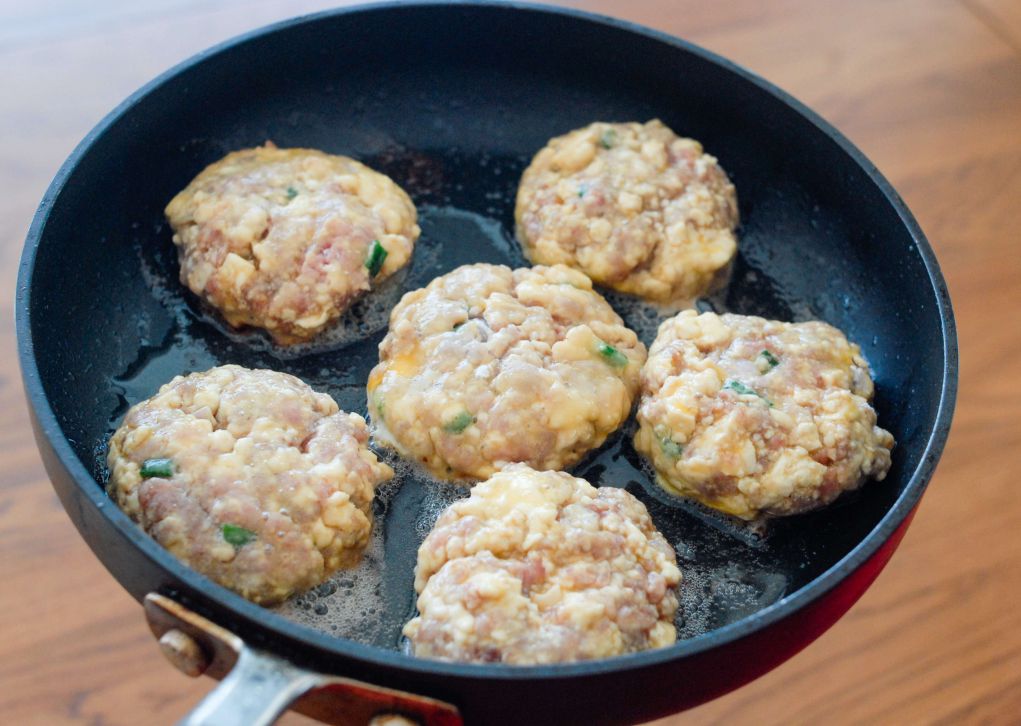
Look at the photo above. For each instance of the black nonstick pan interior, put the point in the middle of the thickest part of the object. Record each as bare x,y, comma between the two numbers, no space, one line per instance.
444,101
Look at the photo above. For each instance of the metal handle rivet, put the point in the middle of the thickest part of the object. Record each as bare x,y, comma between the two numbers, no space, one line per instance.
184,653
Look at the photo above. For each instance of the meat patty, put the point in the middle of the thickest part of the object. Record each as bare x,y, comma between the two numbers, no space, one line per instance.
755,416
633,206
487,366
250,477
287,239
541,567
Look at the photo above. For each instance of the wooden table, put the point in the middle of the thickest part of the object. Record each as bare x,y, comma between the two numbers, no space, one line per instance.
929,89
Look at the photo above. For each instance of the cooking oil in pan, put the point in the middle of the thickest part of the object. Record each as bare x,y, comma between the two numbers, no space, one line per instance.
351,603
371,602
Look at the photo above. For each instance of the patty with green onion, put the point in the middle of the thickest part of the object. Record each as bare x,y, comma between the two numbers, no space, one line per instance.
249,477
540,567
287,239
634,206
758,417
489,366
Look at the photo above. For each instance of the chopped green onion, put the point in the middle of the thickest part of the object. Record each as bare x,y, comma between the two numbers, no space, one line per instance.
612,356
459,423
742,389
670,447
582,189
377,256
237,536
771,359
291,193
159,468
608,138
738,387
379,403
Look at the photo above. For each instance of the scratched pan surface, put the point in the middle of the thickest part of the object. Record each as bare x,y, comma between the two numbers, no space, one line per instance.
452,102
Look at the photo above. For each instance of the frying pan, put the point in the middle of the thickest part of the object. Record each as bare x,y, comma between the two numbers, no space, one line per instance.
452,100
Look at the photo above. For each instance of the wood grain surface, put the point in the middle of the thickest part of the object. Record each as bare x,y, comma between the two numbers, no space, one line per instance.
929,89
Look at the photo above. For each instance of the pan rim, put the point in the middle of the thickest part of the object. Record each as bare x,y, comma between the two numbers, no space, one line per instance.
293,634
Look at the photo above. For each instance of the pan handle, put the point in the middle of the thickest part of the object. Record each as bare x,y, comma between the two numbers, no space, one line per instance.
257,686
256,692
